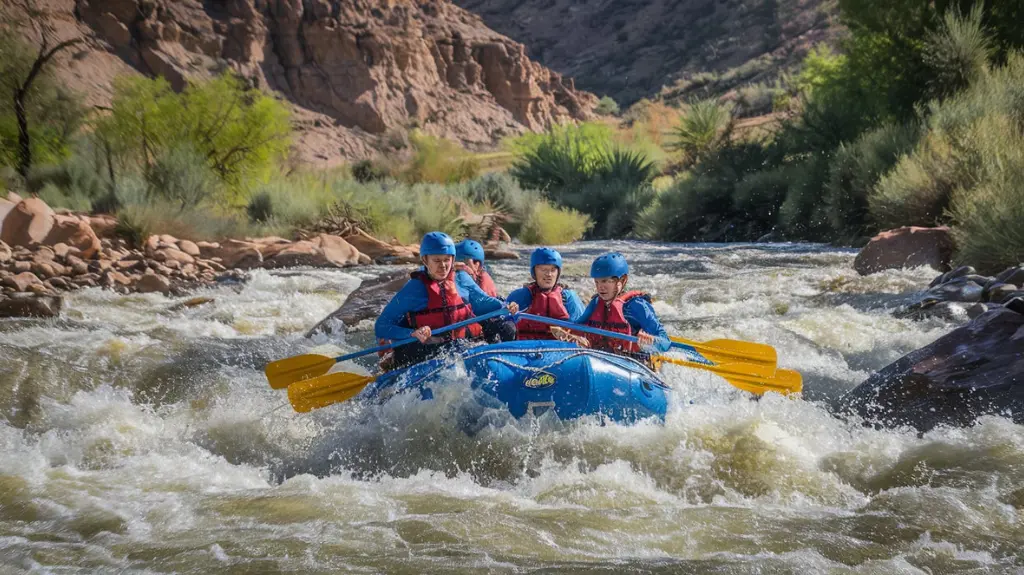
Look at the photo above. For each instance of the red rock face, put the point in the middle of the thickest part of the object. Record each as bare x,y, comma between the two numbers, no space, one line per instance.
357,68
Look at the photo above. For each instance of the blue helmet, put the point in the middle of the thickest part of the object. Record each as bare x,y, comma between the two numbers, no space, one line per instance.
471,249
437,244
545,256
609,265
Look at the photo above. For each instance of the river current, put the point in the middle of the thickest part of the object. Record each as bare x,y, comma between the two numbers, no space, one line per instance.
136,437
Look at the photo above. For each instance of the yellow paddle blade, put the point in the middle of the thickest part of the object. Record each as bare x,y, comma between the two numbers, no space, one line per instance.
735,367
785,381
322,391
733,350
284,372
757,379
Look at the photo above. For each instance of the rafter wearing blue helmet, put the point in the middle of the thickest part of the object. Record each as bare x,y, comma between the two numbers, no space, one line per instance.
627,312
436,296
469,257
544,296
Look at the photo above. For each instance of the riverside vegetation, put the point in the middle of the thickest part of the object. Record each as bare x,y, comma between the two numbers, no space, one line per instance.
917,120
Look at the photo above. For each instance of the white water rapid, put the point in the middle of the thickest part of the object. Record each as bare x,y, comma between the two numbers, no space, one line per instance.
139,439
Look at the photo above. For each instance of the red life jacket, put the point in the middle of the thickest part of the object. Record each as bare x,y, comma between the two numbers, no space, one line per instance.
544,303
482,279
444,307
610,317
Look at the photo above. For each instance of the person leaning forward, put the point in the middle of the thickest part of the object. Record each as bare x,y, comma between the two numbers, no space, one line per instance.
544,296
615,309
436,296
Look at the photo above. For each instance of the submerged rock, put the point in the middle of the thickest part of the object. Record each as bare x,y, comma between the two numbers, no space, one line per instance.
975,370
366,302
30,305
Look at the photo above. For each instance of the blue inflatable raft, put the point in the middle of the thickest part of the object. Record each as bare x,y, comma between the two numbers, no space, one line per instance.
532,377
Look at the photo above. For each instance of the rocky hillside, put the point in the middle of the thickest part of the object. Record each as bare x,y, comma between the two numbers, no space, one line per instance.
357,71
630,49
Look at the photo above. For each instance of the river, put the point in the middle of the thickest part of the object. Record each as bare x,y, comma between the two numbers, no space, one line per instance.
137,438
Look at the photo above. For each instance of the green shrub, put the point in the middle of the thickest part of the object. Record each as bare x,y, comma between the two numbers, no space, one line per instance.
988,213
547,225
802,214
607,106
500,192
365,171
758,197
137,221
581,169
957,53
436,160
295,201
702,130
181,176
950,155
242,134
55,197
260,208
854,171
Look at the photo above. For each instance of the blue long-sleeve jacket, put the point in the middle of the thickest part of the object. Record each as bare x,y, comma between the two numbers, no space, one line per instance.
413,297
524,298
640,315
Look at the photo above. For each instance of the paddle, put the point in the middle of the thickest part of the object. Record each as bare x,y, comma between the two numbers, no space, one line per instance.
317,392
284,372
745,376
708,353
720,350
754,377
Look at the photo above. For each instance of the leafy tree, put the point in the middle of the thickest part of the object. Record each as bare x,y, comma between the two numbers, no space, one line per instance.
38,117
239,133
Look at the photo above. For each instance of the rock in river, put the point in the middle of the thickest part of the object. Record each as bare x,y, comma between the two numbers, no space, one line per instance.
975,370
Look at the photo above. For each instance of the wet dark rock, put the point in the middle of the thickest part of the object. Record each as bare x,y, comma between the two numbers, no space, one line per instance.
1014,276
975,370
929,308
952,274
997,292
366,302
30,305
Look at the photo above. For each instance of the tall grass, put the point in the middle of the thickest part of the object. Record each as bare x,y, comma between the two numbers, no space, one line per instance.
548,225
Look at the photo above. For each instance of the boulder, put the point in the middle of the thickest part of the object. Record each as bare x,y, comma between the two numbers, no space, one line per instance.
6,205
166,255
382,252
152,282
498,254
975,370
337,251
28,223
30,305
6,254
301,253
21,281
73,232
1014,276
103,226
188,247
233,253
906,247
366,302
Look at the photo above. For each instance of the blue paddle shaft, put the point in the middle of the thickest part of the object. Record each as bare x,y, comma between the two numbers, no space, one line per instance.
691,353
454,326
